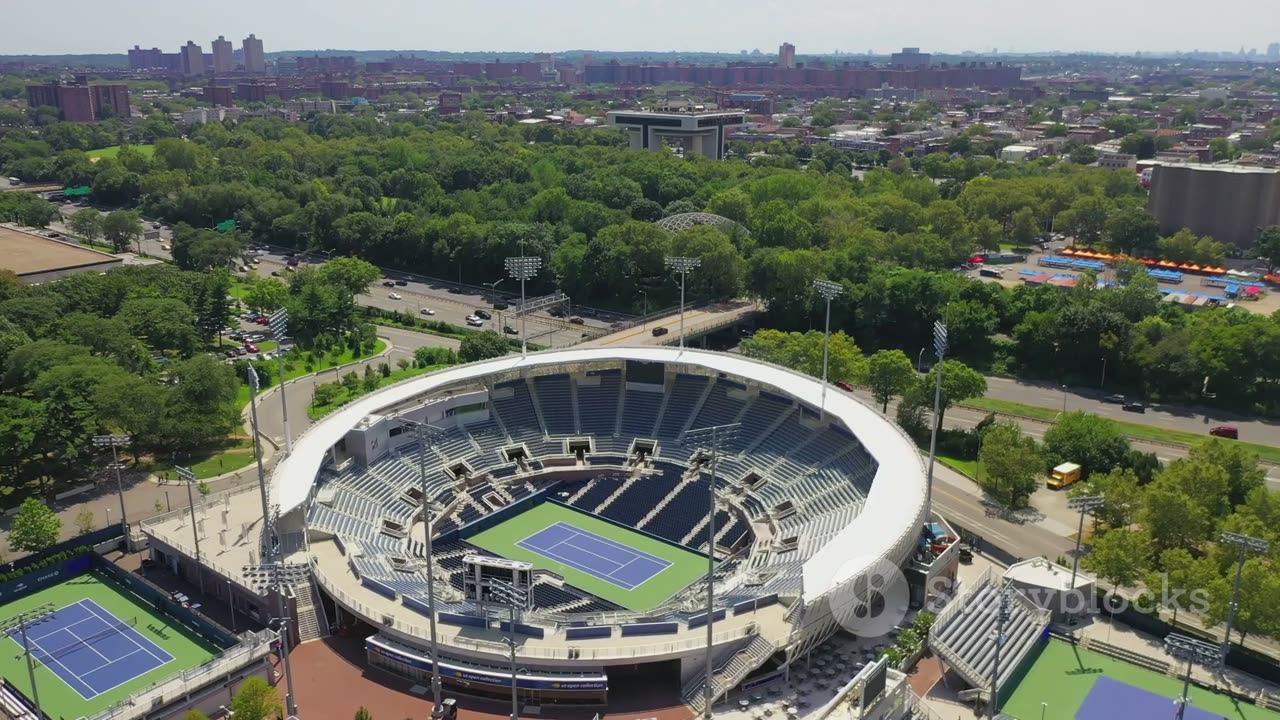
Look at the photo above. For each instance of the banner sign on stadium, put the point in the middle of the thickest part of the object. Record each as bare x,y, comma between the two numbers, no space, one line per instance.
42,579
588,683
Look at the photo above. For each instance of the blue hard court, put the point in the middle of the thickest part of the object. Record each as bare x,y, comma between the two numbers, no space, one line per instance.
1111,699
90,649
599,557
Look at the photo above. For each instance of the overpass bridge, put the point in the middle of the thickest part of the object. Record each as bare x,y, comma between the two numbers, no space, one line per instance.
698,322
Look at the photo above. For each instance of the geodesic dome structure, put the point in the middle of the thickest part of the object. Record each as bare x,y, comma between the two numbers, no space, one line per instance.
684,221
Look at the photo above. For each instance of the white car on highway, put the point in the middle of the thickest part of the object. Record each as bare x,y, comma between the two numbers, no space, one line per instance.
427,311
394,296
474,321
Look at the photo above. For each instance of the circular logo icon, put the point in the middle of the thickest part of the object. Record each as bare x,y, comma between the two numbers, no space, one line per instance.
873,600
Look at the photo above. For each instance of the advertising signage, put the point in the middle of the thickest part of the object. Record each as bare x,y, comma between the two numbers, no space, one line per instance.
592,683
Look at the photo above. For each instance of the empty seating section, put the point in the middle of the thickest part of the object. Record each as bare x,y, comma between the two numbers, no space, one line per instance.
455,443
598,405
680,516
547,595
599,492
638,499
487,435
827,443
719,409
764,411
684,395
556,402
786,438
639,412
516,410
699,538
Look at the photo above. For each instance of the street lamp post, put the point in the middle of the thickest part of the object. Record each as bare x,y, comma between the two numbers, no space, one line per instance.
1085,504
429,434
1103,382
188,477
116,441
1244,544
717,434
522,268
1191,650
920,360
940,348
279,324
682,265
829,291
644,319
257,451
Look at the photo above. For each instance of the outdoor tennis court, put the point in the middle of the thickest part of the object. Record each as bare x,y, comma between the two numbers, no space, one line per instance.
599,557
1067,682
93,643
622,566
90,649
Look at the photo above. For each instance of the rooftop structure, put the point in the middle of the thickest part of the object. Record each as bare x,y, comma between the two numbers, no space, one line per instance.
692,128
38,259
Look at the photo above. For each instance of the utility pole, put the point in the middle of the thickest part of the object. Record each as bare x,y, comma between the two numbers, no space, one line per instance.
828,290
279,324
1191,650
116,441
717,434
522,268
1244,544
265,549
188,477
682,265
939,347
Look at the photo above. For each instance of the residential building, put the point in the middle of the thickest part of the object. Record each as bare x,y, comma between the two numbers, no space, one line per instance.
1203,132
306,107
82,102
254,59
1088,134
450,103
192,59
1118,161
110,101
1019,153
787,55
203,115
910,58
219,96
251,92
222,62
145,59
1229,202
1273,52
336,90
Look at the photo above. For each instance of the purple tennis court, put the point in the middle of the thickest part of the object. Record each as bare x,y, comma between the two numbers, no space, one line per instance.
599,557
90,649
1114,700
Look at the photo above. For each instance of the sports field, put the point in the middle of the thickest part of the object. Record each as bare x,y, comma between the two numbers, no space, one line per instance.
1069,683
94,644
621,566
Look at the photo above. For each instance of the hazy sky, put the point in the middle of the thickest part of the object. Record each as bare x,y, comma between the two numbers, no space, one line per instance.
817,26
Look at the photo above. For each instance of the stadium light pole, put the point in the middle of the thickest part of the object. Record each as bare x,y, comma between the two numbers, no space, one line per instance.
279,325
509,593
829,291
522,268
188,477
1085,504
717,434
1002,619
939,347
428,433
1191,650
31,667
116,441
254,386
1244,544
682,265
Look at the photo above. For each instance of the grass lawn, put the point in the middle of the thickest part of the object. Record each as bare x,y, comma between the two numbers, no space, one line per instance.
1132,429
1063,676
685,567
57,697
965,467
234,453
114,150
318,411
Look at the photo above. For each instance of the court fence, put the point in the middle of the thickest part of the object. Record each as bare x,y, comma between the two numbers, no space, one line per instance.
253,646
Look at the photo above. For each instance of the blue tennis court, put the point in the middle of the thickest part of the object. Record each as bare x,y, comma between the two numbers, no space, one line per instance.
90,649
1111,699
599,557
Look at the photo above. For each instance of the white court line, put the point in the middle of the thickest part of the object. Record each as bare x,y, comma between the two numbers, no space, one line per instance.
136,643
60,628
617,545
126,681
47,658
90,646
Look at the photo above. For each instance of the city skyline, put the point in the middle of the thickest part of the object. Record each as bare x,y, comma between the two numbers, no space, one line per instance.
653,26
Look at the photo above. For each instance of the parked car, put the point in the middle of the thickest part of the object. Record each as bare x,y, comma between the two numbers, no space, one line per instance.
1134,406
394,296
510,330
241,351
230,354
1226,431
402,283
427,311
660,331
844,386
474,321
577,320
251,348
275,273
260,320
483,314
388,283
1114,399
500,305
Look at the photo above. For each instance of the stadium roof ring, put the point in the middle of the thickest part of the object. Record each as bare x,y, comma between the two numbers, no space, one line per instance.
684,221
824,550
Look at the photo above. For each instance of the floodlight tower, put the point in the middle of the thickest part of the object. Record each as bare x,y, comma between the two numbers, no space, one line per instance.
1191,650
682,265
254,386
829,291
279,324
188,478
522,268
116,441
940,348
1085,504
1244,544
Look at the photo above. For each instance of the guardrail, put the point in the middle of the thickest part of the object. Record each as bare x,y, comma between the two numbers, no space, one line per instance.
254,646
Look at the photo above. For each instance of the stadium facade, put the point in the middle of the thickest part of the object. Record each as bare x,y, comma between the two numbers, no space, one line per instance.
570,493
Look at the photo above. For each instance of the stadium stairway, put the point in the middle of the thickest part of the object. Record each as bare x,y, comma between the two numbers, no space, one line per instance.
622,489
309,625
727,673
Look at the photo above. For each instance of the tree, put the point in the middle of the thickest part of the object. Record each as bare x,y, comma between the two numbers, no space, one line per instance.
165,323
362,714
35,527
1268,247
482,346
256,700
1132,231
266,295
86,522
890,373
351,274
1183,582
1244,474
87,223
1095,443
1083,155
959,382
120,228
195,715
1121,495
1011,466
803,352
1026,227
1120,557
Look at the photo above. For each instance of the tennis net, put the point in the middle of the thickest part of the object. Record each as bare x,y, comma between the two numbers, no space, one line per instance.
40,651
